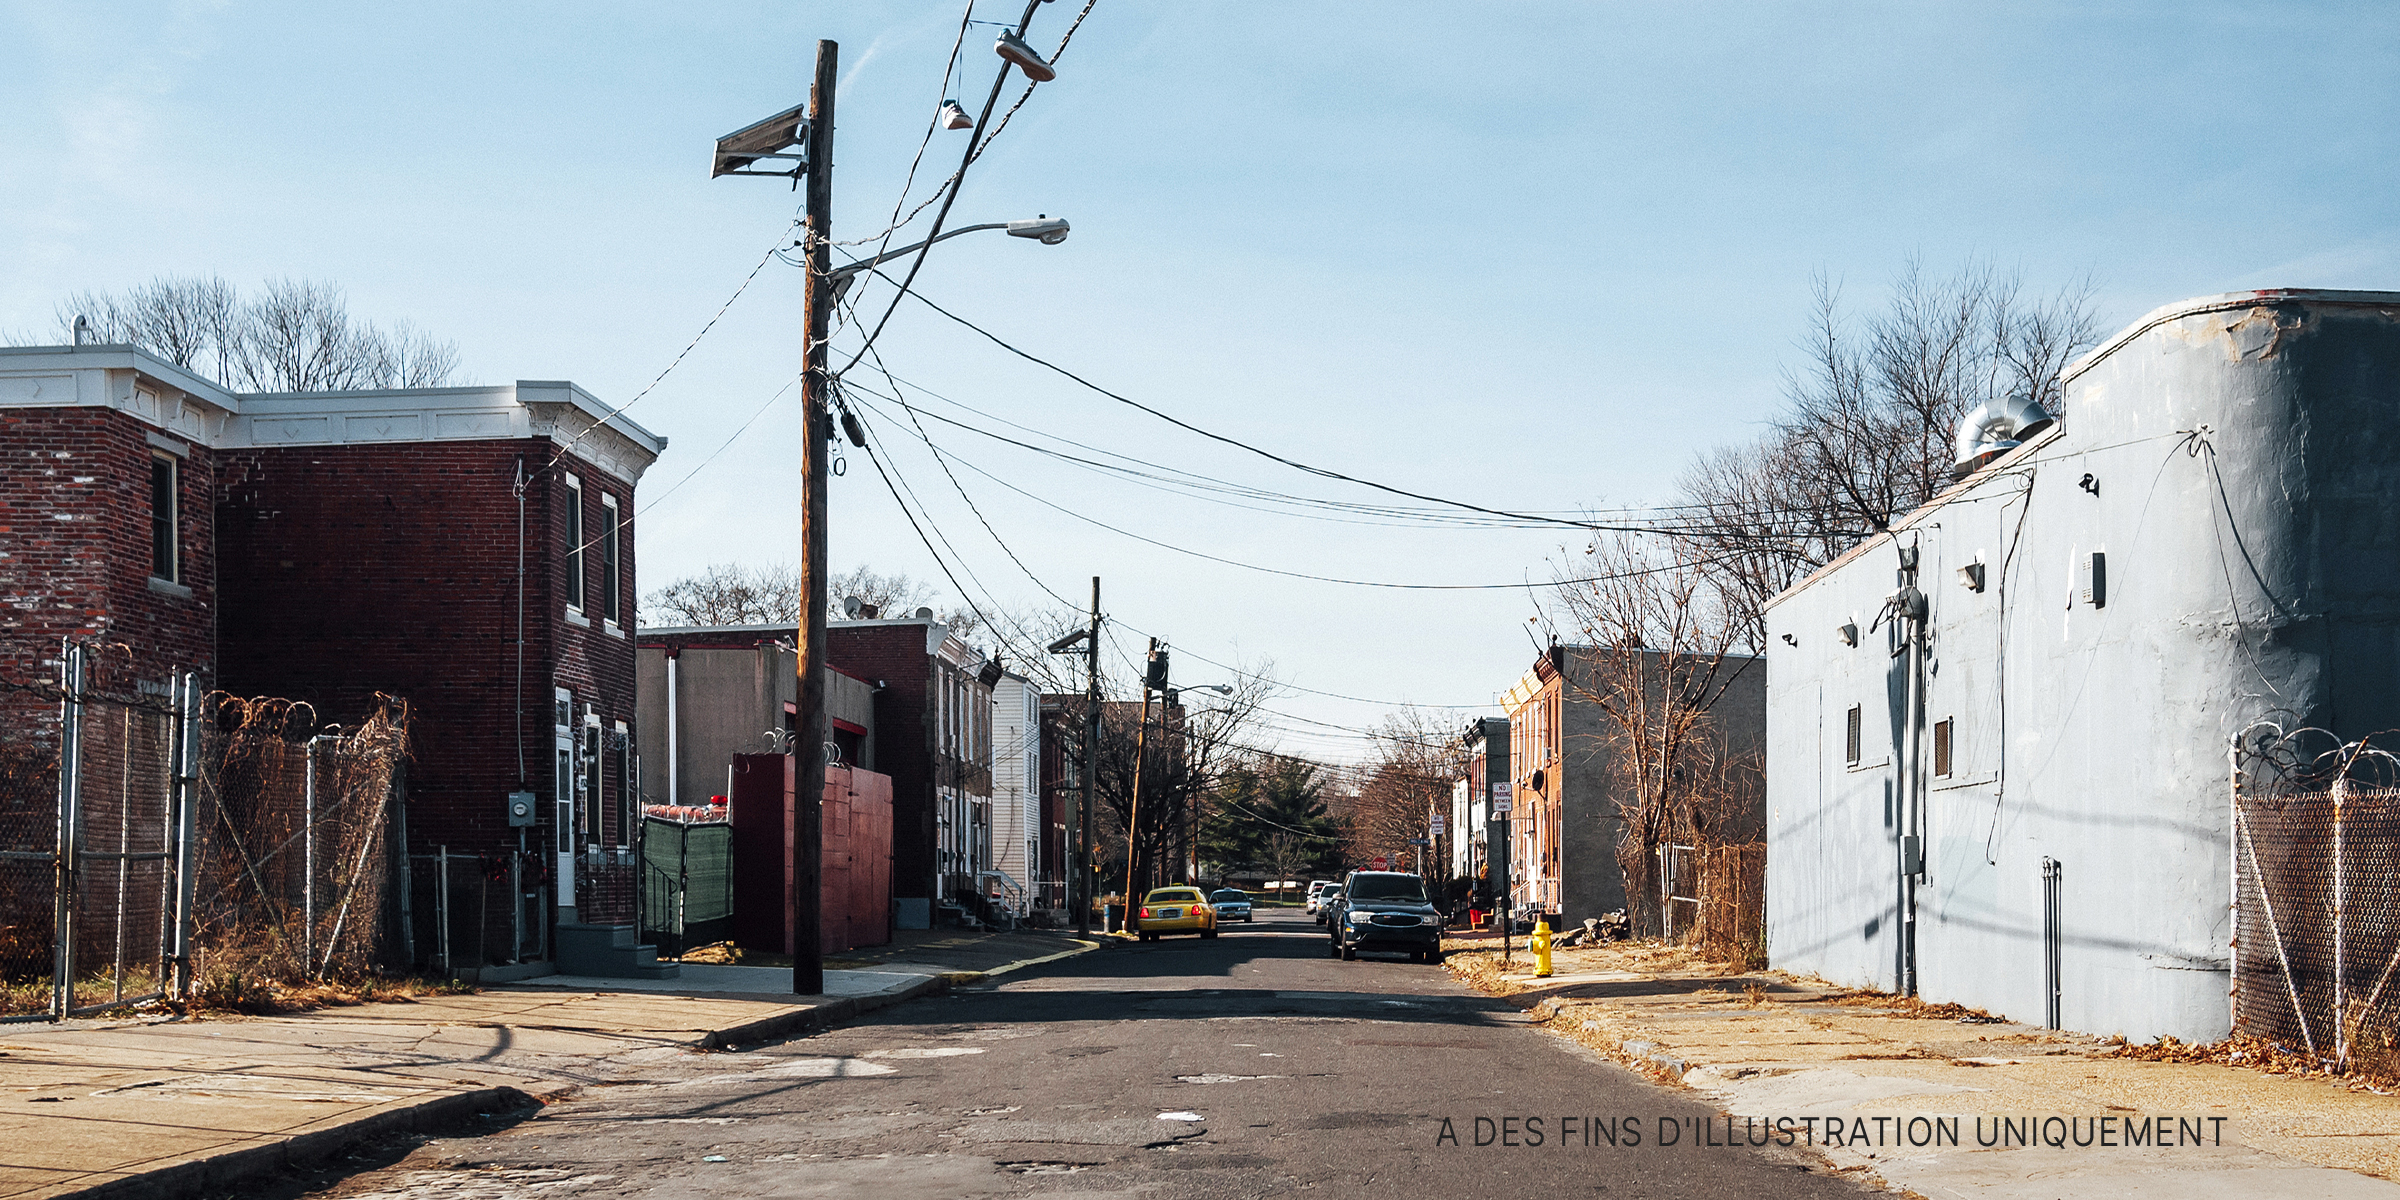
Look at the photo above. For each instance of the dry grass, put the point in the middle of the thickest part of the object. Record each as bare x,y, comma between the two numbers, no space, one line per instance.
2253,1053
1912,1006
252,994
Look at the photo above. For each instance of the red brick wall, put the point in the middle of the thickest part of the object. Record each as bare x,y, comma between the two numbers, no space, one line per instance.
75,557
351,570
895,655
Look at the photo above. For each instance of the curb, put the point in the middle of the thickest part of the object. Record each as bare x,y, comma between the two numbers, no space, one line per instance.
819,1016
233,1169
816,1017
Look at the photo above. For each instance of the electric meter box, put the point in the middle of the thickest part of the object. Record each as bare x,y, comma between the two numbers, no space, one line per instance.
520,809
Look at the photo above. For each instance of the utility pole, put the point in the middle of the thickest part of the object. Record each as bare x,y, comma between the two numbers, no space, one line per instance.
808,840
1091,767
1155,675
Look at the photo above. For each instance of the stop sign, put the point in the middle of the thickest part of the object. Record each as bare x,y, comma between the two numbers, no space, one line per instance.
1381,862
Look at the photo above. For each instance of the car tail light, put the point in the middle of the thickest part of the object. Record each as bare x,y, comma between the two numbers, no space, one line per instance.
1145,912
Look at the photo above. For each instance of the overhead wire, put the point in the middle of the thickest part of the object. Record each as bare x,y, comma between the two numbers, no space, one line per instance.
948,195
1237,443
1442,587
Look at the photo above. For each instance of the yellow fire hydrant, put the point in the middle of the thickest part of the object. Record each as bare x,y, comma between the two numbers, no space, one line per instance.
1540,941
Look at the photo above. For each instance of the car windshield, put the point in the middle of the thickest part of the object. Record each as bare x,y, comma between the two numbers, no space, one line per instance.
1388,887
1169,897
1230,894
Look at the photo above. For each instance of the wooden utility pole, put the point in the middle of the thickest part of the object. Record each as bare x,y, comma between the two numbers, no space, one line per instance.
1080,893
1133,816
808,838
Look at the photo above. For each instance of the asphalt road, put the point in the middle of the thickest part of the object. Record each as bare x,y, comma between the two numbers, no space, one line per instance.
1251,1065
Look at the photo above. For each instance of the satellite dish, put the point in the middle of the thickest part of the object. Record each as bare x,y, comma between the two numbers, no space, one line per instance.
924,614
852,606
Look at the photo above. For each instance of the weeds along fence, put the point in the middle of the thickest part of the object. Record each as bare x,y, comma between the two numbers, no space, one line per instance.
158,843
1715,898
92,789
297,845
2316,869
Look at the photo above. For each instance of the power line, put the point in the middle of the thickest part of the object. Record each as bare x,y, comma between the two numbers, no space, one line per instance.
1433,587
948,195
1237,443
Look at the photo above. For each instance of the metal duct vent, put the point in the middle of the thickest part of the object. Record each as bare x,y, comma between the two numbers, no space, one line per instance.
1994,428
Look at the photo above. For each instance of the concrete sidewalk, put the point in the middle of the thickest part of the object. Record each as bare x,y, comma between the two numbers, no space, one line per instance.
1765,1045
178,1107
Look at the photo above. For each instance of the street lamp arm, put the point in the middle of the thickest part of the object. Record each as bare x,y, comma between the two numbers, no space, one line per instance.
843,274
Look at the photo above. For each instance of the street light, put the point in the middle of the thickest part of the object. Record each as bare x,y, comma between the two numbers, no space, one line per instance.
1047,230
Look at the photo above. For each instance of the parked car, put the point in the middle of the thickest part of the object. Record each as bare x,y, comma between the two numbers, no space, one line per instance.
1176,910
1325,902
1316,896
1232,904
1384,910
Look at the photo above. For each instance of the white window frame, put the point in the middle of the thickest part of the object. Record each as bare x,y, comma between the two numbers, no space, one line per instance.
612,561
577,585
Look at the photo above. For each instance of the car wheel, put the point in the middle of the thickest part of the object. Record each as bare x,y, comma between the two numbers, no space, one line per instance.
1349,954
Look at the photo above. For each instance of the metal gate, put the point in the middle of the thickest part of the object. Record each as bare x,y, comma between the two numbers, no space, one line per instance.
119,813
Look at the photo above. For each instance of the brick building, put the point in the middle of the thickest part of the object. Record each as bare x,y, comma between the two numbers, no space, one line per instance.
1564,757
933,736
468,550
107,495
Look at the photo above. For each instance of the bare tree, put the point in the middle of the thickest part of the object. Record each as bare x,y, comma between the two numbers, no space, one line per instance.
293,336
894,595
1664,646
1185,752
728,594
1865,435
1407,777
770,594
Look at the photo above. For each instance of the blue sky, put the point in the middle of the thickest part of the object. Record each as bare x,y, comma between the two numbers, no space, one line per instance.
1529,255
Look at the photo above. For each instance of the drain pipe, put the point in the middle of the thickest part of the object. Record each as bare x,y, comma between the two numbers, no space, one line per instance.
518,486
674,757
1911,609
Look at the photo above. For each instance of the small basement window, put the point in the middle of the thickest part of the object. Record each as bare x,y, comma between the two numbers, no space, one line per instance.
1941,748
1850,742
164,559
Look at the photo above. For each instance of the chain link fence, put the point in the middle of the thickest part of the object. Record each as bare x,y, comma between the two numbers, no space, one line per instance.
156,843
2316,869
28,875
295,852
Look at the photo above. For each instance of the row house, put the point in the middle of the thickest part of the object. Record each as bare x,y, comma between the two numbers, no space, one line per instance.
468,550
1568,781
1476,799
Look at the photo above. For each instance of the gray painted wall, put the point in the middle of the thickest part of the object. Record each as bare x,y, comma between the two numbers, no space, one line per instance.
728,699
2245,452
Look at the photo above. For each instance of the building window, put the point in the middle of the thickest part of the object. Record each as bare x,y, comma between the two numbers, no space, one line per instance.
1941,748
163,523
611,530
1857,726
574,542
595,761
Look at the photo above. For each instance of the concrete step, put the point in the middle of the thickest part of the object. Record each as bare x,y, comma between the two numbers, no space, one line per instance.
609,952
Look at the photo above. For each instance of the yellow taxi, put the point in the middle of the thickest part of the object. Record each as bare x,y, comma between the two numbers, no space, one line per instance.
1176,910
